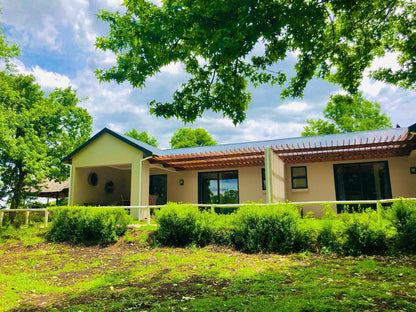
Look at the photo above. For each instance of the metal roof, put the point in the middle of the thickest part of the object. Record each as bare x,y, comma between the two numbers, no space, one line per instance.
145,148
334,147
354,145
319,140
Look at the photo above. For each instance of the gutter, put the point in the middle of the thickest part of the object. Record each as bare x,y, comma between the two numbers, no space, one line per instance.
70,183
268,174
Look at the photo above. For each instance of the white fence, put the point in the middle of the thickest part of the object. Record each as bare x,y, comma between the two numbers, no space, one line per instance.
211,206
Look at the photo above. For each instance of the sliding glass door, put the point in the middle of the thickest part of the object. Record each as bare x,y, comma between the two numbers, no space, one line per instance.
362,181
219,187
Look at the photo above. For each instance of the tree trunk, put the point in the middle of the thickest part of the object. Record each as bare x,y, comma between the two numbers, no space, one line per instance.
17,191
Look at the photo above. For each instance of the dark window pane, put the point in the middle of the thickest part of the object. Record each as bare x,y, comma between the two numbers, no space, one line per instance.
299,177
300,183
299,172
158,186
218,187
228,187
362,181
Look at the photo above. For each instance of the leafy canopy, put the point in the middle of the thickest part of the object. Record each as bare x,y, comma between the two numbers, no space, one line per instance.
346,113
143,136
6,49
225,45
36,132
187,137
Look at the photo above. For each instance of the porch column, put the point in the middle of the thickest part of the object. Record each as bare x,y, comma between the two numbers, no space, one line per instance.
278,178
134,190
139,193
70,185
268,174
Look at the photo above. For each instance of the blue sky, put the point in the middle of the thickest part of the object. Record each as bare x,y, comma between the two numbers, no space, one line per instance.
57,43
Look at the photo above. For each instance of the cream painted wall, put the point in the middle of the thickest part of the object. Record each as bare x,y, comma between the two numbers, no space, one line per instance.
321,182
186,193
249,179
104,152
250,184
403,184
278,178
95,194
321,185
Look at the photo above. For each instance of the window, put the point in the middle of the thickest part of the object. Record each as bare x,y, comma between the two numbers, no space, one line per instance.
219,187
263,179
299,177
158,186
362,181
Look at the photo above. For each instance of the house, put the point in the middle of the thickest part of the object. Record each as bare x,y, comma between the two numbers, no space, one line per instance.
52,189
113,169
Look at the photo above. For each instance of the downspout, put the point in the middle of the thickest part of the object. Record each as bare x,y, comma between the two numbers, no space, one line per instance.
70,183
140,179
268,174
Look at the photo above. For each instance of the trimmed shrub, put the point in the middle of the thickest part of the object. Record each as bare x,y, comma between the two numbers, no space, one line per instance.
402,214
329,236
182,225
364,233
87,225
272,228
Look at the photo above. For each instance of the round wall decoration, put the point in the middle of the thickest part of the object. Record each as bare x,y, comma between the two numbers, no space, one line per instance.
92,178
109,187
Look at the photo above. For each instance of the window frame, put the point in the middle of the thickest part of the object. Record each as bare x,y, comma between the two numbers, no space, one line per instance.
340,189
200,191
299,177
263,179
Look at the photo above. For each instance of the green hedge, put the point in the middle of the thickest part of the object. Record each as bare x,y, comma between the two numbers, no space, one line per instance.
183,225
87,225
280,228
403,216
272,228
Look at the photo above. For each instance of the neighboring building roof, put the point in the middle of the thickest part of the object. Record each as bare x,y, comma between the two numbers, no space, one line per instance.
53,189
344,146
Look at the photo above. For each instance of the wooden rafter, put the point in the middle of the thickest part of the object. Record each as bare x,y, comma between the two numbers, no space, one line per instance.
378,147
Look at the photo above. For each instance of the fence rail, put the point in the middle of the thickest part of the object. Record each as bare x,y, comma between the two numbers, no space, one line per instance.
28,211
211,206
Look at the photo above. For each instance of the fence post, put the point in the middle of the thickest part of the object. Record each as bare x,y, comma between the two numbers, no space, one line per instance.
379,211
148,215
46,217
27,217
1,218
212,209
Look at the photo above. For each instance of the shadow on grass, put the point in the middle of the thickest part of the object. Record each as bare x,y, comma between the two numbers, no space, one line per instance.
302,288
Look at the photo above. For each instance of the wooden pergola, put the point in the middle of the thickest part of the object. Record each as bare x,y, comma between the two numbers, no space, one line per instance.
382,146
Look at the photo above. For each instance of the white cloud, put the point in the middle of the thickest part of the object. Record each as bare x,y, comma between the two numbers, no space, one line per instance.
113,4
372,87
173,68
115,127
294,107
256,130
46,79
51,80
42,22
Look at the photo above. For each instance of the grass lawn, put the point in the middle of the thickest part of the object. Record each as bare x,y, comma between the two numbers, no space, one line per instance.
132,276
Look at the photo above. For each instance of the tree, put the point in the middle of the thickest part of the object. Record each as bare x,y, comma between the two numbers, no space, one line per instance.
6,50
218,42
143,136
346,113
36,132
187,137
